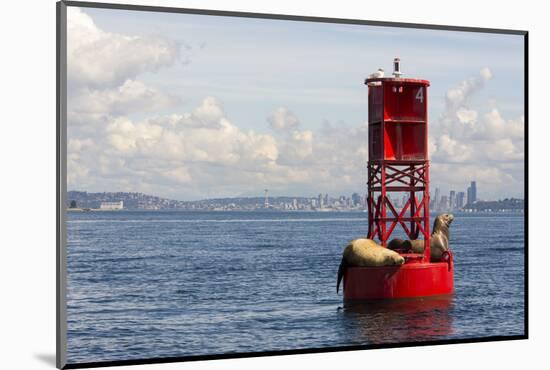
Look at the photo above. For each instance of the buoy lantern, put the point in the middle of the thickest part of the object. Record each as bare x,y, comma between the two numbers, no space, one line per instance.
398,163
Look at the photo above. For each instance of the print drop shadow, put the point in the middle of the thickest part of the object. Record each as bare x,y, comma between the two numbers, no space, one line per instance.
47,358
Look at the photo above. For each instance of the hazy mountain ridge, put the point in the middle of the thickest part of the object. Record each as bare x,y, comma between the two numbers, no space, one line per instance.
132,200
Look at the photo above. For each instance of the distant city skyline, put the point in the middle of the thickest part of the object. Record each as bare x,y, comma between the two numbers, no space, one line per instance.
456,199
356,198
80,201
211,107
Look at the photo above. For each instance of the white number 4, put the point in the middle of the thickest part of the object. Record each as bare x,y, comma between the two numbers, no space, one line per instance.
420,95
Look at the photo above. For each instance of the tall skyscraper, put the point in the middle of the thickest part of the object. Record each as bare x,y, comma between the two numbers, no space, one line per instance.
356,199
444,204
436,198
460,200
452,200
320,200
472,193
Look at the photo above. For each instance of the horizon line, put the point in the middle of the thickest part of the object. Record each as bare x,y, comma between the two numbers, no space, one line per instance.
258,196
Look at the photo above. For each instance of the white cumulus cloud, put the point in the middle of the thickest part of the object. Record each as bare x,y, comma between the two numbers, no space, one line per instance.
97,58
282,119
476,143
131,96
202,153
459,95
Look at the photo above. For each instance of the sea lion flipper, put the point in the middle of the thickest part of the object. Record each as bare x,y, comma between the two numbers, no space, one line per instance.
341,270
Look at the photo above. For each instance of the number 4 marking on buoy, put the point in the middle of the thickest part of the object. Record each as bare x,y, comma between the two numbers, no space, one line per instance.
420,95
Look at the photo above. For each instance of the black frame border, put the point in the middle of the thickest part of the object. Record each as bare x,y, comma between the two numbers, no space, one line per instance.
61,127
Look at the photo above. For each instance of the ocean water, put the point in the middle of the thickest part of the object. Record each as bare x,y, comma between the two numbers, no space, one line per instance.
162,284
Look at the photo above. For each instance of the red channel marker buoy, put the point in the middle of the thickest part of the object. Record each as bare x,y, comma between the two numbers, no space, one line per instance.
398,164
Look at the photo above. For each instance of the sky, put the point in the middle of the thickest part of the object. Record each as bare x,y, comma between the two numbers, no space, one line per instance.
192,106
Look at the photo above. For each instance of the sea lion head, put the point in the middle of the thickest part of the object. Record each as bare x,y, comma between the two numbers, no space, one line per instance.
395,259
447,218
443,220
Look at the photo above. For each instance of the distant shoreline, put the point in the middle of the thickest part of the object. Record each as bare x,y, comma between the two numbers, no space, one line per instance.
101,210
516,211
321,203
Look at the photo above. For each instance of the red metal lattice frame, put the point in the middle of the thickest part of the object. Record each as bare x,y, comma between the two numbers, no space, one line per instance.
399,176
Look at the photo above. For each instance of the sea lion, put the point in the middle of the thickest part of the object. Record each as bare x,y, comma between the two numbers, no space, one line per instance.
439,240
366,252
399,244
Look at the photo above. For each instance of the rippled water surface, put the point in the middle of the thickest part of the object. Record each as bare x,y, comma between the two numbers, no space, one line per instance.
162,284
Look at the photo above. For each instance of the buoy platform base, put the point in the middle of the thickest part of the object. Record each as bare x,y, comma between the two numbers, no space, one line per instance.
412,279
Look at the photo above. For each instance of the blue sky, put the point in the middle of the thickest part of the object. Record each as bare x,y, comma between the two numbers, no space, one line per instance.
307,76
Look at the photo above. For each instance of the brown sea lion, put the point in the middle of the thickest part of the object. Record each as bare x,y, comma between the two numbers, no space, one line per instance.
366,252
439,240
399,244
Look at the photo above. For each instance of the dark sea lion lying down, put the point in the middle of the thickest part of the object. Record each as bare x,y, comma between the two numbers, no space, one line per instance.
366,252
439,240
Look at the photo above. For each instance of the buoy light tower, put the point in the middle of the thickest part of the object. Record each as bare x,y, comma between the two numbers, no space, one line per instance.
398,163
398,157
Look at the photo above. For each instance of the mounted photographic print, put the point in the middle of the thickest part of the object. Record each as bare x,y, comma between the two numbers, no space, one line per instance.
235,184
